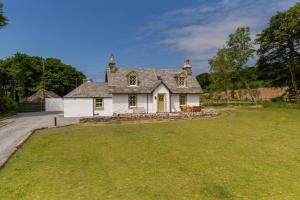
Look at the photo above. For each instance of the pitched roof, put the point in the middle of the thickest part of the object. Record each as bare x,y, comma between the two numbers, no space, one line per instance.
149,79
90,89
39,95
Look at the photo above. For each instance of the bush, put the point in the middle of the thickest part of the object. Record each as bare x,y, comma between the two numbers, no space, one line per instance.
7,105
277,99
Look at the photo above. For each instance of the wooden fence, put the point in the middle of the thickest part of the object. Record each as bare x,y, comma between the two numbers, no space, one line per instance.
31,107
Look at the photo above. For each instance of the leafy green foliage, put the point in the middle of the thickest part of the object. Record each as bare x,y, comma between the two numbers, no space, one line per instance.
279,56
204,81
240,50
61,78
7,105
228,67
251,74
3,19
22,75
240,47
221,69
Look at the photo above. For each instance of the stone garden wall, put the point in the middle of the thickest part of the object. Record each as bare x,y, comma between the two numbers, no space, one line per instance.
153,116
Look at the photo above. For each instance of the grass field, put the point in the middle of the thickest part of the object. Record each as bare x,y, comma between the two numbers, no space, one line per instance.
248,154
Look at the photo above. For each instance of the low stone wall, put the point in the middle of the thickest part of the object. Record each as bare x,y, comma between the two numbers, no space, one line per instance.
153,116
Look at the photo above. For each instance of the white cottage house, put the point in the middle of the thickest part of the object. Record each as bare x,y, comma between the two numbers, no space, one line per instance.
129,90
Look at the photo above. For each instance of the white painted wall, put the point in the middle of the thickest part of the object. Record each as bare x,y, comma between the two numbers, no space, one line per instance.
54,104
78,107
120,103
150,103
83,107
192,100
108,108
175,103
163,90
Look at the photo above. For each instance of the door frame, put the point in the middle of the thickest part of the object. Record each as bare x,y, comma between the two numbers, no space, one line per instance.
164,102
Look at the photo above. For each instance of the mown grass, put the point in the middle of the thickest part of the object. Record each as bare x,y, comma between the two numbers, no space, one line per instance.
249,154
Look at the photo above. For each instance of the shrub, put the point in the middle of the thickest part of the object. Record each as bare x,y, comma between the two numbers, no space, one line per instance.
278,99
7,105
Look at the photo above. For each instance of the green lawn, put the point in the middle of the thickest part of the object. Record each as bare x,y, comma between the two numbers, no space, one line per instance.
249,154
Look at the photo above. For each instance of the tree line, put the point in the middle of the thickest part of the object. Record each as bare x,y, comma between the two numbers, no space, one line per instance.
278,58
22,75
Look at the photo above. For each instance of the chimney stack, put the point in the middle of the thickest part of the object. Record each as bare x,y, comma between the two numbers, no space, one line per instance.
112,64
187,67
87,80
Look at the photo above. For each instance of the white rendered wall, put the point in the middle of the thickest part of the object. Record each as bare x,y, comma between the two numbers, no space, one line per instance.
161,89
108,108
142,101
54,104
175,103
120,103
78,107
193,99
150,103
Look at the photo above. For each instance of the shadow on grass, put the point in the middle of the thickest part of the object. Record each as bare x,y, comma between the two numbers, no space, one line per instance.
217,191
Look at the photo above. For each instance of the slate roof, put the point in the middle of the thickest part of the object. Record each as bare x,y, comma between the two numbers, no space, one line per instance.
90,89
148,80
39,95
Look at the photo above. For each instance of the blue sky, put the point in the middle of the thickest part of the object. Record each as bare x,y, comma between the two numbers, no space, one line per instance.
156,33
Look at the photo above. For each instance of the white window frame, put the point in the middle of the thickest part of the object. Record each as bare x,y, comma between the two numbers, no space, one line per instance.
135,101
132,76
101,103
182,81
182,96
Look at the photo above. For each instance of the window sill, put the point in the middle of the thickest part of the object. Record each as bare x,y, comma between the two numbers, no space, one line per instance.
132,107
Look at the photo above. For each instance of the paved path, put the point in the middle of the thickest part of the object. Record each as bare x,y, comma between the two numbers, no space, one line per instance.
20,127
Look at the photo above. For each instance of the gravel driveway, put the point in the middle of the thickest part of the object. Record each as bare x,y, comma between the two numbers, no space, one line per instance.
20,127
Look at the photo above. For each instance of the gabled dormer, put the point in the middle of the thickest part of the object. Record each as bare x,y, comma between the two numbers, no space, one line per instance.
132,79
182,79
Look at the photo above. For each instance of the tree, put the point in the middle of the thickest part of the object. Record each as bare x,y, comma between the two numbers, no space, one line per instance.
61,78
220,67
240,49
204,80
279,56
21,76
24,73
3,20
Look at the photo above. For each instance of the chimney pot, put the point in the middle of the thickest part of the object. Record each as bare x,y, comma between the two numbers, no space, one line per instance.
112,63
187,67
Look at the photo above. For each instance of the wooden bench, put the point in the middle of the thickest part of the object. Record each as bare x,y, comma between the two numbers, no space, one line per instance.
190,108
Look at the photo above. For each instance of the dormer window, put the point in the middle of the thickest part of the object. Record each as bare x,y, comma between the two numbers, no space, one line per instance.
181,80
132,79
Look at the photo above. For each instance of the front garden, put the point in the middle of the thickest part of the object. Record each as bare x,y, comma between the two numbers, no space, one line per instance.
246,153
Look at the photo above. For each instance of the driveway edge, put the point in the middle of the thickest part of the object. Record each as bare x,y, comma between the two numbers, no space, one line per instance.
5,160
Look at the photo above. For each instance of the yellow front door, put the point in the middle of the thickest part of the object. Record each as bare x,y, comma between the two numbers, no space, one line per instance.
161,103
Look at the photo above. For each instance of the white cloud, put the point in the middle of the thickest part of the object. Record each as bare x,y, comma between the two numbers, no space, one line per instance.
198,32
